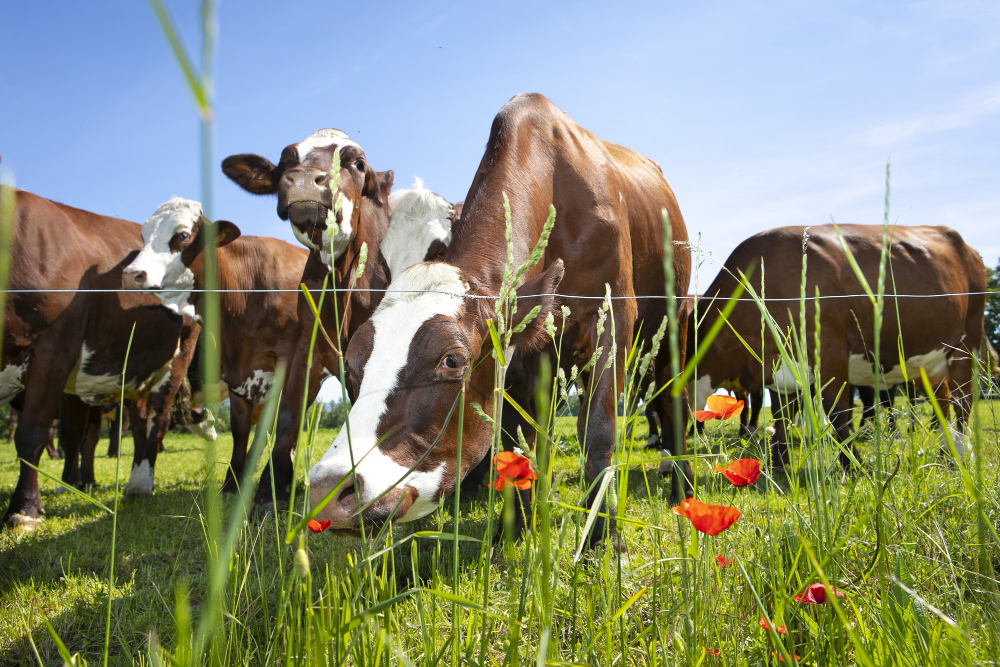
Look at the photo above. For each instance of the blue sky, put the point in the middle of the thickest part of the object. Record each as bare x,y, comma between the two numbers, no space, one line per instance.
761,115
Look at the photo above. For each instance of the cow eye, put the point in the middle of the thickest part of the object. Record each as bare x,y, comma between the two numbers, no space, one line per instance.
359,165
184,236
452,362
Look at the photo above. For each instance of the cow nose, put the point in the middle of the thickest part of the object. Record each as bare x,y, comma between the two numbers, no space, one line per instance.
341,509
305,184
134,279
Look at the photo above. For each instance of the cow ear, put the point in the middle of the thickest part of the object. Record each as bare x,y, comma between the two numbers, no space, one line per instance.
225,233
538,291
254,173
377,186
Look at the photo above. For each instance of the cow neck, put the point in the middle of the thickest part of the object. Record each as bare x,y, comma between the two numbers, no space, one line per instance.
373,223
239,264
478,246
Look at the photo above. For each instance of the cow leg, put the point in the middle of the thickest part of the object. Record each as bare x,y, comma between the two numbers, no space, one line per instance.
279,471
838,404
119,423
867,396
140,481
91,435
960,376
755,402
73,415
40,405
596,424
241,421
783,408
50,445
887,397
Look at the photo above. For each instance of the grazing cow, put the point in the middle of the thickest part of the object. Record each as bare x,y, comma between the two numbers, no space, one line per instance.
75,341
428,339
302,182
257,329
934,333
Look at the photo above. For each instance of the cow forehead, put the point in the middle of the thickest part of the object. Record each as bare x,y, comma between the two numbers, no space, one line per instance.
169,218
322,139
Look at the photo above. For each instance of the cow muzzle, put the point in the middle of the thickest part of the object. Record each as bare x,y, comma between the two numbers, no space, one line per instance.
137,279
342,510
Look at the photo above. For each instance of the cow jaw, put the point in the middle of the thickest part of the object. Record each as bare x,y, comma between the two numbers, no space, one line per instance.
162,266
413,299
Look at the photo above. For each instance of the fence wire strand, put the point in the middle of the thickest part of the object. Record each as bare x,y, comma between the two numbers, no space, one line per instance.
481,296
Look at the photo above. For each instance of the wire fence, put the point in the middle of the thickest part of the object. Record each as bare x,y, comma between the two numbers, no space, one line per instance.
483,296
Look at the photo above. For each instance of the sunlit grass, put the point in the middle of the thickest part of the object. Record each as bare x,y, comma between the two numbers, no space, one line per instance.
58,571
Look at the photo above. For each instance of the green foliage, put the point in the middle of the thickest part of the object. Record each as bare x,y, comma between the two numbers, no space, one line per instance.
992,321
334,414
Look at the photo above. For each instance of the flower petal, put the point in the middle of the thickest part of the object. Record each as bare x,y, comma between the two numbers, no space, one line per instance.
709,519
706,415
318,526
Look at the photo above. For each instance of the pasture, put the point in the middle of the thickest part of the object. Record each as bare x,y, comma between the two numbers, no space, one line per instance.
921,588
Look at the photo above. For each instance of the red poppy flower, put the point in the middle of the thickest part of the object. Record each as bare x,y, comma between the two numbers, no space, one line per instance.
318,526
719,407
741,472
714,652
816,594
723,562
709,519
795,656
512,470
781,629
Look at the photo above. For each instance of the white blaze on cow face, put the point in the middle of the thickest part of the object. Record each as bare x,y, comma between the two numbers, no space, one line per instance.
419,218
861,371
336,237
162,265
404,309
323,139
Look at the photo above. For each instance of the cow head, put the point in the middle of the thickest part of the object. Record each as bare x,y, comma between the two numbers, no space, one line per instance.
419,228
170,259
427,339
302,181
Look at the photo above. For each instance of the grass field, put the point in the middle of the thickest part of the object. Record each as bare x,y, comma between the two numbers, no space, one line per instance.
929,598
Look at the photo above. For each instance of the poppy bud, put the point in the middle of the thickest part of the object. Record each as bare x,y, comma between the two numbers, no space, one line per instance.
301,562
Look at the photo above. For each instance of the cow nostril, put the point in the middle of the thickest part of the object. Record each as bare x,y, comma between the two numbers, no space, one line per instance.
347,498
139,277
322,179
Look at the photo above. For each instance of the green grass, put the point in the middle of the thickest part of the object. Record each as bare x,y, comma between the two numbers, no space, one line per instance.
662,603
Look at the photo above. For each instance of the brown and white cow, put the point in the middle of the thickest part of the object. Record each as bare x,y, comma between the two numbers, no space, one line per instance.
302,182
258,328
934,333
425,341
75,341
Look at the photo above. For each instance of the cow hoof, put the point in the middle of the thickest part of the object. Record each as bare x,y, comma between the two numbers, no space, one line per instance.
268,510
61,490
22,522
140,481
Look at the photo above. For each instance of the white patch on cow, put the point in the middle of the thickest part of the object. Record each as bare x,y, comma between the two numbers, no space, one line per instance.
322,139
205,429
419,217
783,379
703,388
255,387
412,299
164,268
11,381
150,423
336,243
140,481
860,370
93,389
666,467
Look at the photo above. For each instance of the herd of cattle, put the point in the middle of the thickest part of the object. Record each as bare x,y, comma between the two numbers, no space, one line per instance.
413,331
